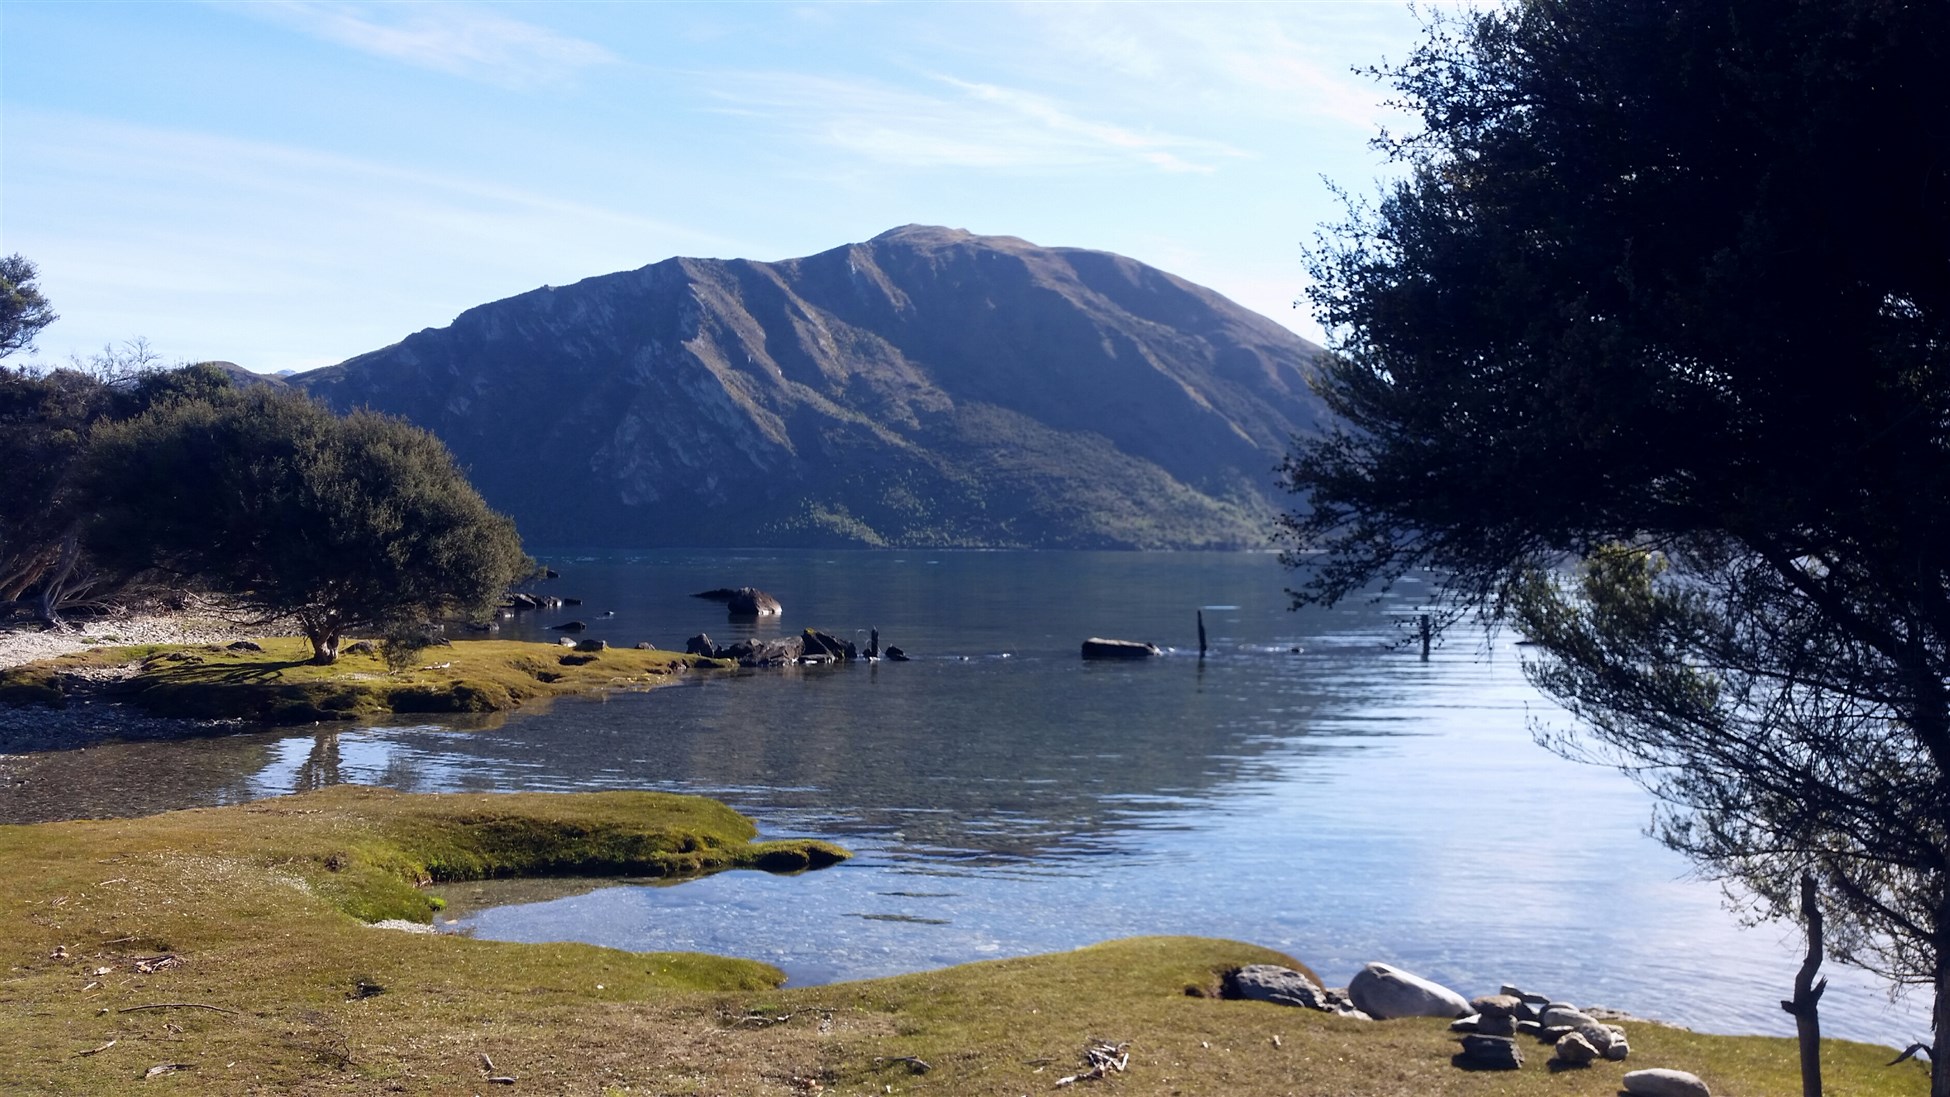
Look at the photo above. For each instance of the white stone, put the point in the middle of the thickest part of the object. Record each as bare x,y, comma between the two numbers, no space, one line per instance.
1382,991
1660,1082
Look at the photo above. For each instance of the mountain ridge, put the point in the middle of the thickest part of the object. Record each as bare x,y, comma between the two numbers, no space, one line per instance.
926,387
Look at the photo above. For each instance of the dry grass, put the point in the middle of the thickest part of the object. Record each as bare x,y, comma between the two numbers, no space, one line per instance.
255,903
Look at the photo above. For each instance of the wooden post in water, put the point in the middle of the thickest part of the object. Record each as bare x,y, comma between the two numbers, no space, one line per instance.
1427,629
1201,634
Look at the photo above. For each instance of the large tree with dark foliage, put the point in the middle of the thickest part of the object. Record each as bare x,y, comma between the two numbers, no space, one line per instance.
340,523
1666,286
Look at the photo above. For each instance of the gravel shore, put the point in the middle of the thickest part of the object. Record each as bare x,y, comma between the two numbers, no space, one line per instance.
28,643
92,719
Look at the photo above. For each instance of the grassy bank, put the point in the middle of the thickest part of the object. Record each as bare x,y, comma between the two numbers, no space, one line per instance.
227,943
278,685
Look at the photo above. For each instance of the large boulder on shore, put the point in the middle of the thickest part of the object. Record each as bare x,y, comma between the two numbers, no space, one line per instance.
1382,991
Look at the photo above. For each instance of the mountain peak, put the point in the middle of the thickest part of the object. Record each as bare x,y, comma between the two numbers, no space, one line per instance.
912,390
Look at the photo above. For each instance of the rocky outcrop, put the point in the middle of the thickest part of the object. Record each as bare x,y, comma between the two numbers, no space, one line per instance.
1287,987
926,387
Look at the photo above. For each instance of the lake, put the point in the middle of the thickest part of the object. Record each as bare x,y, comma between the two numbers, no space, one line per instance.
1311,785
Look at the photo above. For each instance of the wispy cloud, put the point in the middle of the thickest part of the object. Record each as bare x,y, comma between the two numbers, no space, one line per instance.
1257,59
965,125
446,37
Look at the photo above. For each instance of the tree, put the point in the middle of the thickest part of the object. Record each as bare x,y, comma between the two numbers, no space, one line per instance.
23,309
1665,286
340,523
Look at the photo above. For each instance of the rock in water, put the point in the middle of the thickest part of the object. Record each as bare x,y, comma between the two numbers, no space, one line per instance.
1272,983
1491,1053
1098,648
1382,991
752,602
569,626
1660,1082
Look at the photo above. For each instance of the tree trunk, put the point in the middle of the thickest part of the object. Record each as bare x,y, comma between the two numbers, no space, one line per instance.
54,587
1940,1026
324,644
1805,1005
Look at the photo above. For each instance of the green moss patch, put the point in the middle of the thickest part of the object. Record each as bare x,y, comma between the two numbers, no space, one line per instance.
242,926
278,685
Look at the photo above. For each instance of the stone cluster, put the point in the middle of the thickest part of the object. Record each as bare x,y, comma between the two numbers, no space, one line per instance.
1489,1027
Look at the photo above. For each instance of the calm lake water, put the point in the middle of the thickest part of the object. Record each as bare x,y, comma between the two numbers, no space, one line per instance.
1308,786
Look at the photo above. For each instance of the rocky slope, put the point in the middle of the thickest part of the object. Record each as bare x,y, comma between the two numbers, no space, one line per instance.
926,387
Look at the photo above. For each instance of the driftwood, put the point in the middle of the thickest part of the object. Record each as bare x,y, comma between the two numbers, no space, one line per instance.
914,1064
95,1050
1104,1060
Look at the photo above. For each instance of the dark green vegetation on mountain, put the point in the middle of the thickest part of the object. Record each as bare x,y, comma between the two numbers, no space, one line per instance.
927,387
1665,287
225,946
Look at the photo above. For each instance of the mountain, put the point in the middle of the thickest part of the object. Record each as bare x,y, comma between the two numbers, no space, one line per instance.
928,387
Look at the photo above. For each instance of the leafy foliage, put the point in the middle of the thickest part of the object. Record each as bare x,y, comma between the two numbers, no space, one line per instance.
24,310
1664,287
338,522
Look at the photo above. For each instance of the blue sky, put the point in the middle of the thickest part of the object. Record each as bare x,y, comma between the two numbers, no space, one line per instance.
287,184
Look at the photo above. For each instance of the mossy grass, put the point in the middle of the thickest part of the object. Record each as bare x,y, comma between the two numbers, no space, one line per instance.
254,913
279,685
276,987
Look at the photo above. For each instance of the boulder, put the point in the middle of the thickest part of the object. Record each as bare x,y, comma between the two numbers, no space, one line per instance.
1490,1053
1099,648
360,647
593,645
1496,1005
569,626
551,573
567,641
1272,983
831,647
765,653
1562,1015
1660,1082
1575,1050
752,602
243,645
896,655
701,645
1383,991
1490,1025
645,645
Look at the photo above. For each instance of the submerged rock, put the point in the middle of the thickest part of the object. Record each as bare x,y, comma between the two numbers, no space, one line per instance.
1099,648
